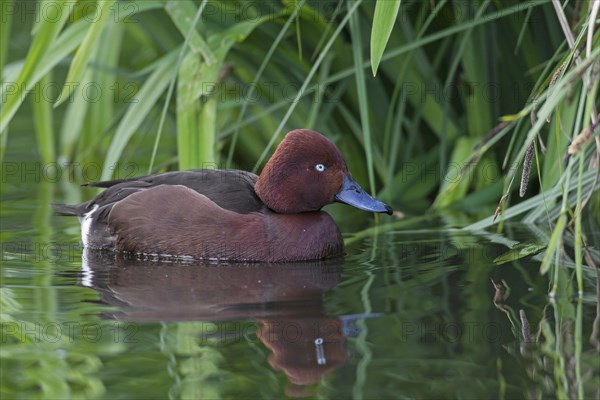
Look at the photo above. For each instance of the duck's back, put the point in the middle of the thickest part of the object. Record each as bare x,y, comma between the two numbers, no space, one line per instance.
231,190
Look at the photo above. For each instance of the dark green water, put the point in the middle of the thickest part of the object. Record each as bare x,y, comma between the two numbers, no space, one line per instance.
411,312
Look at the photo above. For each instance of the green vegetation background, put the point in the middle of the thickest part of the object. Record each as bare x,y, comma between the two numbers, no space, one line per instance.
488,108
476,107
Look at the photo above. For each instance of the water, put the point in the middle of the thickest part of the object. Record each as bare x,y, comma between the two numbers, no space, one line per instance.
413,311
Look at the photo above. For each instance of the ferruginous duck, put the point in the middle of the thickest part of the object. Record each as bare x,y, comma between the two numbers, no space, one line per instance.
231,215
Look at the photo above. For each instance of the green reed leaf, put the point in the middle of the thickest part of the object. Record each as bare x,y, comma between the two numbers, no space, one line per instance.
386,12
138,111
82,57
46,32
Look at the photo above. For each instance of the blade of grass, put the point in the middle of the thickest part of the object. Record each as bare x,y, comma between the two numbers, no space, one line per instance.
396,112
59,49
578,230
257,78
84,52
479,48
47,31
104,68
179,11
187,112
356,128
180,57
362,92
64,44
4,34
317,103
457,174
4,42
298,37
202,79
453,189
551,100
43,121
578,349
207,156
386,12
553,244
432,112
591,25
302,90
136,113
72,127
580,119
557,234
533,203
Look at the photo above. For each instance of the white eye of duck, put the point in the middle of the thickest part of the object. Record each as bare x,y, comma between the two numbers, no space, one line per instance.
320,167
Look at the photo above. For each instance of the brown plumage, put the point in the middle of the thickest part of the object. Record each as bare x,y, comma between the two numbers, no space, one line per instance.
230,214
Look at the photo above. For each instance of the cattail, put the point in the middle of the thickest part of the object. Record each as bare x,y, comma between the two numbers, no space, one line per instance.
584,136
555,77
529,155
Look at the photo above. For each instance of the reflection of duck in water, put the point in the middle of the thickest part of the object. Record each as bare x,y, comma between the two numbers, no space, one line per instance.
304,348
287,299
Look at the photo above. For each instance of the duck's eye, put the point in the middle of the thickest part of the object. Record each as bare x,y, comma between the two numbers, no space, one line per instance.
320,167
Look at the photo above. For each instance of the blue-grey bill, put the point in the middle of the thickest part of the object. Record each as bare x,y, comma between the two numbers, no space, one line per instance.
352,194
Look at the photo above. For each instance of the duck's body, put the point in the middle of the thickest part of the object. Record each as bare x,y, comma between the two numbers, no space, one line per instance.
203,214
229,214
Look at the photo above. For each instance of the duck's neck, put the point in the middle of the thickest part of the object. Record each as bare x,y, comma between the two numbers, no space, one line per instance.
278,193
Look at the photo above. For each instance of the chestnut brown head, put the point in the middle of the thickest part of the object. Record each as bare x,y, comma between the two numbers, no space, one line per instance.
307,172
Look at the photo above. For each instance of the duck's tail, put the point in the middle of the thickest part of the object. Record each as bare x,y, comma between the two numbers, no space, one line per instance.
66,210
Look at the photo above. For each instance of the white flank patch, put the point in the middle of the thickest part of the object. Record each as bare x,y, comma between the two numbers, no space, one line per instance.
86,225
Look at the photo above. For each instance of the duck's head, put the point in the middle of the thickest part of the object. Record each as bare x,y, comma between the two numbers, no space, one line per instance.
307,172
